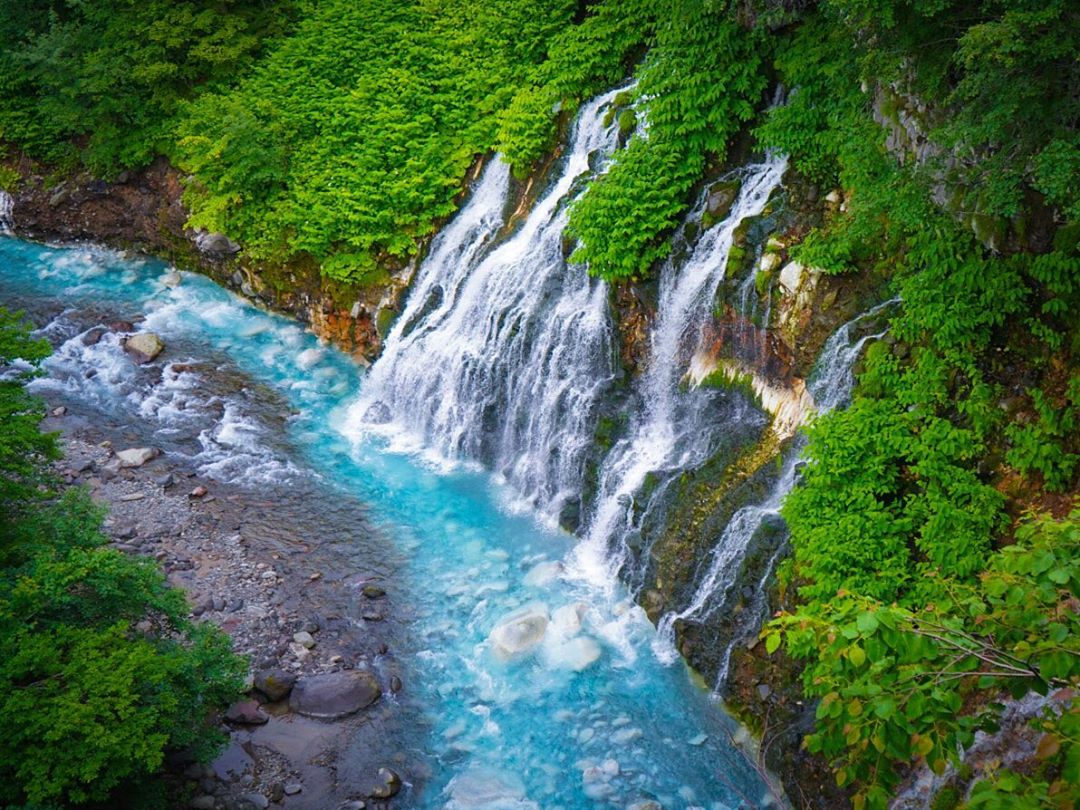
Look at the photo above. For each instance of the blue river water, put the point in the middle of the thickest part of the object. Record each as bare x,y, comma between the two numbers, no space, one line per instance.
588,717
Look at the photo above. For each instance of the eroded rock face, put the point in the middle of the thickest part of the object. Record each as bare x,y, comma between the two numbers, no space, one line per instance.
335,694
520,632
144,347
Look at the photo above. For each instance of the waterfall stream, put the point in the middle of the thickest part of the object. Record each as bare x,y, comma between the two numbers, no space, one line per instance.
7,207
675,429
502,353
830,387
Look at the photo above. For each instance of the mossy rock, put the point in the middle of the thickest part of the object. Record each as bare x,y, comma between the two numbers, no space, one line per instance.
384,320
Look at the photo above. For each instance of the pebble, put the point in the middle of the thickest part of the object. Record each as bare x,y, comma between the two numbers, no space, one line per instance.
374,592
293,788
59,411
305,638
257,799
199,492
134,496
389,784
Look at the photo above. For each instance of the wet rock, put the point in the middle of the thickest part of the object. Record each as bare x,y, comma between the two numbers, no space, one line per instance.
247,713
388,784
648,804
374,592
354,804
137,456
519,632
257,800
171,279
721,198
543,574
93,336
566,620
144,347
395,684
122,326
576,654
202,803
274,683
481,786
334,695
277,792
164,480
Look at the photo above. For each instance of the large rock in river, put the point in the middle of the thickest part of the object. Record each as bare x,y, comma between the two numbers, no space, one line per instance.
520,631
335,694
144,346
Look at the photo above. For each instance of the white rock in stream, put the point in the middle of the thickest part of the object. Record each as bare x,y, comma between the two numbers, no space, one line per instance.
543,574
575,654
483,788
171,279
519,632
566,620
136,456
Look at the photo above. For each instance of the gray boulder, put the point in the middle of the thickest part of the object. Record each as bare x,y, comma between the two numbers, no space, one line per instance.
144,346
335,694
215,244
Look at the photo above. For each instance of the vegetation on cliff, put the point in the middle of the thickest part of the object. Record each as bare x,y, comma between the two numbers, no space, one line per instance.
934,535
101,673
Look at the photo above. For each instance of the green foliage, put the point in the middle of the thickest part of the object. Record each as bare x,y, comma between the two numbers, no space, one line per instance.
111,75
23,448
699,84
353,136
893,681
97,656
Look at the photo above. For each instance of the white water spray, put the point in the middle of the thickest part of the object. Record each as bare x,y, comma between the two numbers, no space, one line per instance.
669,433
7,209
502,353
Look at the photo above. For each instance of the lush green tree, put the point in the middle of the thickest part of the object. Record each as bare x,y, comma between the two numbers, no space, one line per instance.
101,673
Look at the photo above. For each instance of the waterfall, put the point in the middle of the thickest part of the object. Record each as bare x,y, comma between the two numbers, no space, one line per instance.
503,351
830,387
673,428
7,207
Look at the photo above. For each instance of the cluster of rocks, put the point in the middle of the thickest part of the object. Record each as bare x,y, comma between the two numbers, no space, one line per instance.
310,659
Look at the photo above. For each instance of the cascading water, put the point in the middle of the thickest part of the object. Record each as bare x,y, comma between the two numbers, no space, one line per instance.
502,354
830,387
675,429
7,208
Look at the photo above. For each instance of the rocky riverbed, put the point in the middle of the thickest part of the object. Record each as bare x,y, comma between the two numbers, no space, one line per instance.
281,572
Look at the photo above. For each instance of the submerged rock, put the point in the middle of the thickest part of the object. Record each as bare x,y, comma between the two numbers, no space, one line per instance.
575,654
334,695
519,632
144,347
482,787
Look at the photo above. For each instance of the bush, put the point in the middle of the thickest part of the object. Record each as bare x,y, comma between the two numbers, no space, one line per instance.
101,674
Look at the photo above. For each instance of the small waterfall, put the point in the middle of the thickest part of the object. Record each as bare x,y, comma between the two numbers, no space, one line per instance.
7,208
830,386
674,429
503,352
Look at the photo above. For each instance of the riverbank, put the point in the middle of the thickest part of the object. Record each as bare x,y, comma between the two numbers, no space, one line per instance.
303,605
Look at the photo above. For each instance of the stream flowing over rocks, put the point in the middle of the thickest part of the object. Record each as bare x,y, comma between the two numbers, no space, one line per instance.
384,544
366,585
